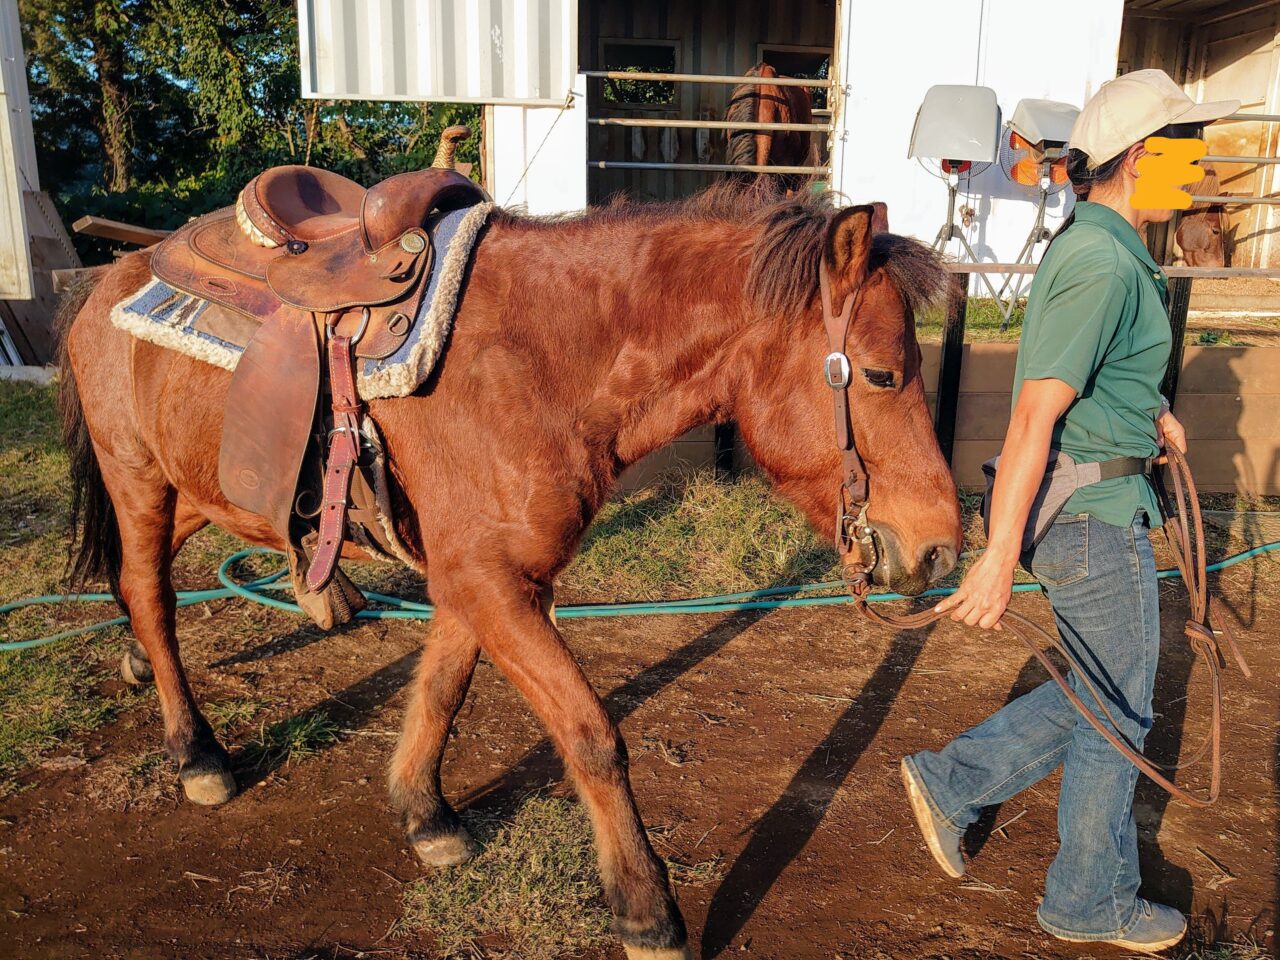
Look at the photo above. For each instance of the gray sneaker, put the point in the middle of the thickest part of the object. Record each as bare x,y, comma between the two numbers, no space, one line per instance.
942,843
1158,928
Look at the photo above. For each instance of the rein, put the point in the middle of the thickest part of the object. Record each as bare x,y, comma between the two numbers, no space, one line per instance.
1183,530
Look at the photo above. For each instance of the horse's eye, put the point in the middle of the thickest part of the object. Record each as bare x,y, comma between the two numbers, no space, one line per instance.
879,378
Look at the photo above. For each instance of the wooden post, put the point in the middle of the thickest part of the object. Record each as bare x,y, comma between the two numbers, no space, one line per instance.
723,440
948,397
115,230
1179,302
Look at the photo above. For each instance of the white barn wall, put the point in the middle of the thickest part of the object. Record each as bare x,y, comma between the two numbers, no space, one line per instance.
17,160
537,156
1003,44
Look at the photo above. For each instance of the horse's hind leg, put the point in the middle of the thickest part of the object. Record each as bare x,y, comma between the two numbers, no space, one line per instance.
439,688
145,507
135,665
514,629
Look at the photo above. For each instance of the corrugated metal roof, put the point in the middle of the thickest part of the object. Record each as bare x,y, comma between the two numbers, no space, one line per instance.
492,51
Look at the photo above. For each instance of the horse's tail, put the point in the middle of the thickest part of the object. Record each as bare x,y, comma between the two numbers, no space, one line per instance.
740,146
744,107
94,548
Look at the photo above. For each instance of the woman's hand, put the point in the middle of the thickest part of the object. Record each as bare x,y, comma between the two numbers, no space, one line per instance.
983,594
1169,430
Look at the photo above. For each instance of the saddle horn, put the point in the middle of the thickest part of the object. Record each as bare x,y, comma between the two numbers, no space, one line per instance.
449,140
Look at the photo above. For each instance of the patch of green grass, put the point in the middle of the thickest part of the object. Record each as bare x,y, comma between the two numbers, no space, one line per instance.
534,889
226,715
982,322
296,738
46,697
1242,948
1215,338
695,535
47,694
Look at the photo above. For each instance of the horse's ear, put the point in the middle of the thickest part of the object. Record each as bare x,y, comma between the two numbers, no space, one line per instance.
879,217
849,248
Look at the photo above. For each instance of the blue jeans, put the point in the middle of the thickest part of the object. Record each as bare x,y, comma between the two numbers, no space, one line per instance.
1101,581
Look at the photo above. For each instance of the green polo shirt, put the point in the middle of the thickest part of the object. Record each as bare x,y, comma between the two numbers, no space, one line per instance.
1097,319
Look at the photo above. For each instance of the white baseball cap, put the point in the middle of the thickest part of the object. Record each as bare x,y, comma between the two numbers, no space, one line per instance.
1131,107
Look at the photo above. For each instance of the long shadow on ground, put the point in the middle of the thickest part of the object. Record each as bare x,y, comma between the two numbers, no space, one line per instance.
789,824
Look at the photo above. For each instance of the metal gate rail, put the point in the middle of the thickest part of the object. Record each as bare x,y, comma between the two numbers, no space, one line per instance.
651,122
709,78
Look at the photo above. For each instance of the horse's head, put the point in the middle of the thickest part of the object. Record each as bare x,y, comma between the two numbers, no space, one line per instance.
909,534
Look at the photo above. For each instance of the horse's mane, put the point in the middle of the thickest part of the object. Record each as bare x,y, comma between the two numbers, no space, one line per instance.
784,262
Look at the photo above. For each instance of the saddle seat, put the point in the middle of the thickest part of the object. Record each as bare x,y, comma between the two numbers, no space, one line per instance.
295,202
313,241
309,205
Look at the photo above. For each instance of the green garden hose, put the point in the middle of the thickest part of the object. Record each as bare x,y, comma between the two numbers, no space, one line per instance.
397,608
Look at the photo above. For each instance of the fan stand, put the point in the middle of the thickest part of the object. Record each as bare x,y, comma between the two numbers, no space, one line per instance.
951,231
1039,233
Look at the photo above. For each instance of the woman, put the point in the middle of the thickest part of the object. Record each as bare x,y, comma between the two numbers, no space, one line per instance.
1094,348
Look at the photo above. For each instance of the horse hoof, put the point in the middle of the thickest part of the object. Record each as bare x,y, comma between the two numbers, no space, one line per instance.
658,953
135,671
209,788
448,850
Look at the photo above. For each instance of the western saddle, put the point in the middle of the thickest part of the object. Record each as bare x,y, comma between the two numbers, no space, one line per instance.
305,260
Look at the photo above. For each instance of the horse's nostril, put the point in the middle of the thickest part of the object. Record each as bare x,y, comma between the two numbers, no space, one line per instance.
939,560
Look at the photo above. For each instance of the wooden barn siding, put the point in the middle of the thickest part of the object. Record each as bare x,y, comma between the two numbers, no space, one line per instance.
1227,399
714,38
1146,42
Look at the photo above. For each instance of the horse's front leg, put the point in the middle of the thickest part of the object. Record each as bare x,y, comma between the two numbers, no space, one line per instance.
510,620
144,506
439,688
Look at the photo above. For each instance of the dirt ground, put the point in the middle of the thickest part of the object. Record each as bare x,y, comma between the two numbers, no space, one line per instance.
763,744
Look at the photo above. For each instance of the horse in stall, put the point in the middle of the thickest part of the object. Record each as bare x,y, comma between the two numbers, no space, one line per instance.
580,344
770,103
1202,230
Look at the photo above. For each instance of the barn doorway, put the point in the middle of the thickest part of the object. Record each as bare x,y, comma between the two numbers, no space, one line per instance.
703,37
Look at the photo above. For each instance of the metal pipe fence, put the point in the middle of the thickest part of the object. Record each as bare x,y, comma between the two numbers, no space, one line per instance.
1227,158
709,78
660,122
1243,117
700,167
1227,200
701,124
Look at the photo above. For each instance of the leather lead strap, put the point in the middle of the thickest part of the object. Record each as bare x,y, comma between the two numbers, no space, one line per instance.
1186,543
344,451
1202,629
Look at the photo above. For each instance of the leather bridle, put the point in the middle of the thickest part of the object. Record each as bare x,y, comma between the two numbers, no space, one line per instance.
1184,532
854,536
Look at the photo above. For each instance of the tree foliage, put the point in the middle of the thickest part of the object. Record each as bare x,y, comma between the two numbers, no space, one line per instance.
153,111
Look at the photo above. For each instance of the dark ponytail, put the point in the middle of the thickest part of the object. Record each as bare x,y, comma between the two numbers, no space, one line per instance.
1084,179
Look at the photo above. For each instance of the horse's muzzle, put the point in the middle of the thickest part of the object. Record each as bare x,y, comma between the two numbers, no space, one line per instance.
909,575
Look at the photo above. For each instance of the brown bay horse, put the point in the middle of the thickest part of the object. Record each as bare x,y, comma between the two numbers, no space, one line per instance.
580,345
770,103
1202,230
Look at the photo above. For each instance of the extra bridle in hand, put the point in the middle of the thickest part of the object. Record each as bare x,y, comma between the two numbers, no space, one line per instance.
1185,540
